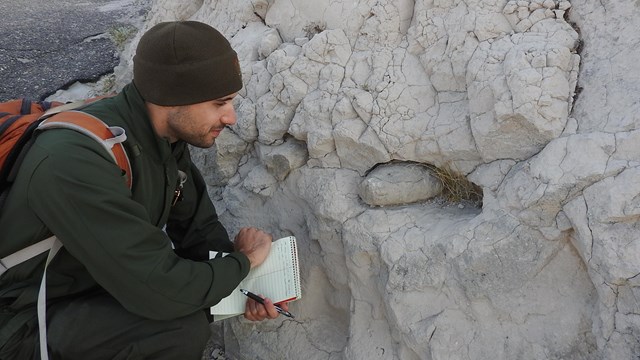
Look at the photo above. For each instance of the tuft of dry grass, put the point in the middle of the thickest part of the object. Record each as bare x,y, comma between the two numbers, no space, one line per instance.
314,28
120,35
456,187
106,84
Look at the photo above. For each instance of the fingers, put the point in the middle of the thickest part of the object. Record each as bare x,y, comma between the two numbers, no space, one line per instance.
254,311
254,243
284,306
252,232
270,308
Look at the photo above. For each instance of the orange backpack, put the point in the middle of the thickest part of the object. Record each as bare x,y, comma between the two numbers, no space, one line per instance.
20,119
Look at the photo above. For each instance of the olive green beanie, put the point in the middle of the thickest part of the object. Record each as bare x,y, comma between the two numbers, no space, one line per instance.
185,62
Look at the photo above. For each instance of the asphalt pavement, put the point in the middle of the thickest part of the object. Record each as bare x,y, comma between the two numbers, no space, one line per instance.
47,45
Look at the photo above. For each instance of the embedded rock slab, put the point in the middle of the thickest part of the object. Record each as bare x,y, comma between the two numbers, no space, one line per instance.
533,101
398,184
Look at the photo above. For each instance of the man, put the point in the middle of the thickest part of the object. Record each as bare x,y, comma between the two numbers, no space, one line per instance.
133,277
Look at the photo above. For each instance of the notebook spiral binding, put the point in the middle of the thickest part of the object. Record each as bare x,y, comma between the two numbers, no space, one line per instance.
296,272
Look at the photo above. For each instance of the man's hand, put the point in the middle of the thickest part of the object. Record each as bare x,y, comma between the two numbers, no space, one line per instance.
255,311
254,243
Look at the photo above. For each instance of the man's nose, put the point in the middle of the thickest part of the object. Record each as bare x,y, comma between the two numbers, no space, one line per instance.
230,117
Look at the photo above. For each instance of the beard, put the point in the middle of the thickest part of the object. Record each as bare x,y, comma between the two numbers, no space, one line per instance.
184,126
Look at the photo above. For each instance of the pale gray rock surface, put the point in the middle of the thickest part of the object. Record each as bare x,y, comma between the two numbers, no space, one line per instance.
534,101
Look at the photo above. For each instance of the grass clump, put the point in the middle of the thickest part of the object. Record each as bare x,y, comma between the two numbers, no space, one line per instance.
106,84
314,28
456,188
120,35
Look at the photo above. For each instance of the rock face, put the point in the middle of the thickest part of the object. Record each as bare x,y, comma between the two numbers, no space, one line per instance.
345,102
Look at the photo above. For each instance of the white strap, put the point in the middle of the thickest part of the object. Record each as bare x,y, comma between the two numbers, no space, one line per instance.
42,302
119,135
64,107
53,245
26,254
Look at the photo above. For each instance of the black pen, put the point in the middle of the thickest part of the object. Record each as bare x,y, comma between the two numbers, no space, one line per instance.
261,301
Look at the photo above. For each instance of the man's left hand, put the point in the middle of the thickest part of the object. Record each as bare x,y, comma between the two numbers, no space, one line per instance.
255,311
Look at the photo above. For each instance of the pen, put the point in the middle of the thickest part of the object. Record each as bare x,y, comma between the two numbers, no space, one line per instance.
261,301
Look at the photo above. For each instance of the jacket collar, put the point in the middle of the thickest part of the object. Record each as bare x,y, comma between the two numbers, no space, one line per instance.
141,127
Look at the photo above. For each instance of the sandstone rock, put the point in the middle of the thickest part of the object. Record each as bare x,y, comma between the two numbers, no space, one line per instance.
260,181
397,184
280,160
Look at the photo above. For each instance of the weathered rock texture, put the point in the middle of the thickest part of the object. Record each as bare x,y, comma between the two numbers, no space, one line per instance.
535,101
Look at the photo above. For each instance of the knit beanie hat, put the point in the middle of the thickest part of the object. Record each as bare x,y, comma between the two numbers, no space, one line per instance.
185,62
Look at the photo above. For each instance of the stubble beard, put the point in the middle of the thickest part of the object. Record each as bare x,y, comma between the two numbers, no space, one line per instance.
180,122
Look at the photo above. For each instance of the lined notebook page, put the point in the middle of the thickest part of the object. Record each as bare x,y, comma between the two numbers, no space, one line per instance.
277,278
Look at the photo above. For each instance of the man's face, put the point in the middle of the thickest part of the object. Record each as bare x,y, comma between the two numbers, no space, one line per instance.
200,124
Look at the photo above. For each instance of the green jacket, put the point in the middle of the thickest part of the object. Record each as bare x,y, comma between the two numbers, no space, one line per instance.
113,237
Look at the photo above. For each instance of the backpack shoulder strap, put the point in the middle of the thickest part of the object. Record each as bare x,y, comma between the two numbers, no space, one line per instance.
110,137
25,254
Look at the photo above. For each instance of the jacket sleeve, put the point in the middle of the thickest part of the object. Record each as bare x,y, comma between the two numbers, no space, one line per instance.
193,223
78,193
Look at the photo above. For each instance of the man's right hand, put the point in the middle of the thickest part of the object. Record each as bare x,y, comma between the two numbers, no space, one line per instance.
254,243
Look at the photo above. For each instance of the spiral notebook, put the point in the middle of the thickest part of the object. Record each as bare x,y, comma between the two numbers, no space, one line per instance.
277,278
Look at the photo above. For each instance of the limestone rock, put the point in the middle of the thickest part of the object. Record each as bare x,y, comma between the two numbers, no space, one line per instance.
260,181
397,184
280,160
